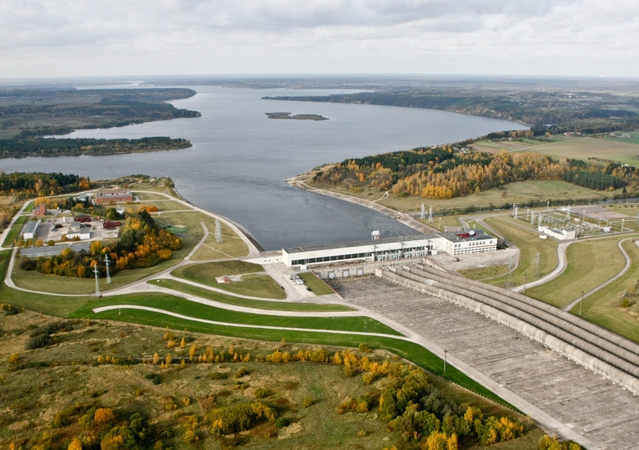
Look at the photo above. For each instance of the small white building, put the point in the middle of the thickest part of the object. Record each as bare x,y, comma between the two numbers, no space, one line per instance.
30,230
562,235
79,230
468,242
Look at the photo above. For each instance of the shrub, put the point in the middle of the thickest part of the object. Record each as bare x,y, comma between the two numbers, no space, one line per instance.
308,401
241,372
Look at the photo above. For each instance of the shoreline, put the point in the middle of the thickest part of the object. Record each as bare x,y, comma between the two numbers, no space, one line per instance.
401,217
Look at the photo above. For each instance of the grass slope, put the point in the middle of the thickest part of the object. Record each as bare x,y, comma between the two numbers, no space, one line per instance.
590,263
529,244
259,304
315,284
192,309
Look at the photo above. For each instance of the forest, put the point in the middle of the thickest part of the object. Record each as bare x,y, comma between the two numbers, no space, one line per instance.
443,172
544,110
38,146
37,184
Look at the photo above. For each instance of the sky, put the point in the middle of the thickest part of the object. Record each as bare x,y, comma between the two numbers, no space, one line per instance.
62,38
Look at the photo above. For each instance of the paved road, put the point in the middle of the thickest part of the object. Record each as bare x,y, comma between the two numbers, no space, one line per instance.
562,265
4,234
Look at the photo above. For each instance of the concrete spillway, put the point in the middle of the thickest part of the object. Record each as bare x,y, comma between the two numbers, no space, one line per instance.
599,350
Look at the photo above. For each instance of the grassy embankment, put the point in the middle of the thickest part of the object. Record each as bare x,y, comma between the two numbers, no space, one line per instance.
603,307
590,264
247,303
315,284
529,244
253,283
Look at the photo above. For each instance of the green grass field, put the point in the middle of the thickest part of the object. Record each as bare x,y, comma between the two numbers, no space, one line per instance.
624,151
590,263
315,284
205,273
484,273
188,308
14,232
529,244
232,247
259,304
254,283
601,308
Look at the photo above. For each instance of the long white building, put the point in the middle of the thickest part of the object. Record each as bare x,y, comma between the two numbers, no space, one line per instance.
390,249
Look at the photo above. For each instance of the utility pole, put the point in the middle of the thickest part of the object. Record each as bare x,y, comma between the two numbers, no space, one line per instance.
106,262
97,285
445,356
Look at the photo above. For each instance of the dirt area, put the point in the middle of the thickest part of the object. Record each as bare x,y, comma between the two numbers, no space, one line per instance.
499,257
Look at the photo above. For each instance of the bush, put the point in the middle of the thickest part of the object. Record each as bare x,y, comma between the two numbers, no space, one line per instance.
154,377
308,401
282,422
216,376
242,372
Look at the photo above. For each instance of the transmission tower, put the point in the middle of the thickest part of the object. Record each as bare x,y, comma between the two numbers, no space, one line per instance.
106,262
516,212
97,285
532,219
422,215
509,278
540,219
218,232
430,214
537,271
568,214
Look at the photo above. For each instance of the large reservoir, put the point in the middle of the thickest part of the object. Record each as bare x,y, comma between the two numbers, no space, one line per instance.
240,159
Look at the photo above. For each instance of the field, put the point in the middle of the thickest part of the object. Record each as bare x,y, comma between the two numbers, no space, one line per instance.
519,192
46,381
624,151
590,263
247,303
529,244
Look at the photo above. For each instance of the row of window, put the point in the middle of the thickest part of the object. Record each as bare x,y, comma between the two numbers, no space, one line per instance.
408,252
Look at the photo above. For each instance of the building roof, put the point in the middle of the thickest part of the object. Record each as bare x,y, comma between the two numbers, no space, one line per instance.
35,252
467,235
30,227
390,240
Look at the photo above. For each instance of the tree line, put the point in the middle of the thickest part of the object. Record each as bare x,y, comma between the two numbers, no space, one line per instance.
37,184
38,146
443,173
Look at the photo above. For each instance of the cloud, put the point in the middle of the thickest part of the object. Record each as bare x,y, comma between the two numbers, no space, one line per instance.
334,31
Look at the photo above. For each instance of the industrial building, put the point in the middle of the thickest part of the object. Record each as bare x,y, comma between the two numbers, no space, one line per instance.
48,251
30,230
107,197
391,249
